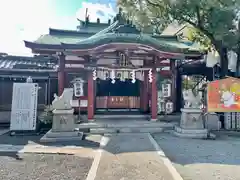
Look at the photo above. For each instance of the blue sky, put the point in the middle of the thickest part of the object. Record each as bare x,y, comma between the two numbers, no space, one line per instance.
28,19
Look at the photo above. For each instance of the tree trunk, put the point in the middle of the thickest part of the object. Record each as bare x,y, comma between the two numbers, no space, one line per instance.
223,61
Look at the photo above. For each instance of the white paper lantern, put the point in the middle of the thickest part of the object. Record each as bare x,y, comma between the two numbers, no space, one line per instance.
150,77
94,74
113,77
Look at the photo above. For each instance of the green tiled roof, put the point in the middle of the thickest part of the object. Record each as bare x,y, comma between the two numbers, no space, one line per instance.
163,44
57,40
117,32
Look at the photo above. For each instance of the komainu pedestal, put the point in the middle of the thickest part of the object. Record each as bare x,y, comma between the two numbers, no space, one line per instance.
191,124
63,125
63,121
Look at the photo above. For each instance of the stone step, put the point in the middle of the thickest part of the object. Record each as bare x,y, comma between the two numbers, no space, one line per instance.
124,116
125,130
127,125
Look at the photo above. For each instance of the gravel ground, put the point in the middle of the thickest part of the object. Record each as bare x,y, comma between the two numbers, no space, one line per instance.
131,157
44,167
203,159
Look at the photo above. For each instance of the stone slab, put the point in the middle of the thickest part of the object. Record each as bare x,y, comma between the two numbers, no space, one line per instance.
141,130
63,137
52,134
125,130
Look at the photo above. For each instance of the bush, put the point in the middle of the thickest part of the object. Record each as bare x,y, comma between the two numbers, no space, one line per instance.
46,117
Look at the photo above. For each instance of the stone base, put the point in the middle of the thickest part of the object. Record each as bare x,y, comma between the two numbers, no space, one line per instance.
192,133
91,120
70,136
191,118
63,121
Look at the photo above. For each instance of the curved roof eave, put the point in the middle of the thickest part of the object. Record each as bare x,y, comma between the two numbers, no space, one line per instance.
33,45
108,38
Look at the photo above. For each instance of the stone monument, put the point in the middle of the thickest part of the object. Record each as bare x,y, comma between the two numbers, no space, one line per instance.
191,124
63,125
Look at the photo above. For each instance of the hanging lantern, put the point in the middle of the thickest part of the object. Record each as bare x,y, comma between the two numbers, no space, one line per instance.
113,77
94,74
166,89
169,107
150,77
78,89
133,77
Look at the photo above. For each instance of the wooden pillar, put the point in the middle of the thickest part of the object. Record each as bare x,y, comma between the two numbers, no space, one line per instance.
154,95
91,96
145,92
61,74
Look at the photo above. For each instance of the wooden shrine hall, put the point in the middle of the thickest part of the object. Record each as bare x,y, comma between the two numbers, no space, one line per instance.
116,62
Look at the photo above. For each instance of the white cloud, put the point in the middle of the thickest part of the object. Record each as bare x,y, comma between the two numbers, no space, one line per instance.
97,10
28,19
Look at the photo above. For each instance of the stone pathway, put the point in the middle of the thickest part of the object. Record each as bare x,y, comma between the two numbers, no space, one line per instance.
131,157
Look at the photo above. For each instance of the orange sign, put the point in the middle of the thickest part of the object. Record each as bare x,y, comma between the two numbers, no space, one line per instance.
224,95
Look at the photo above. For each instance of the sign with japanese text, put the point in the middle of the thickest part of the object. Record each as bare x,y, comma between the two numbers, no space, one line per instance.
24,106
224,95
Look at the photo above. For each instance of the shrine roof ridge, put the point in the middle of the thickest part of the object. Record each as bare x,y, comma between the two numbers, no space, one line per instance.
63,32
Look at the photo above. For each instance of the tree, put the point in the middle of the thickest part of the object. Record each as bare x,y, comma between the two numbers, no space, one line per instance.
212,18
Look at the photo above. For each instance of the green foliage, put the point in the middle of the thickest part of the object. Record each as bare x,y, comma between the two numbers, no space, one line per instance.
194,35
46,116
213,18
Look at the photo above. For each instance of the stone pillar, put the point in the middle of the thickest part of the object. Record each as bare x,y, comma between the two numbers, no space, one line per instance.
90,96
173,86
145,92
154,96
61,74
178,91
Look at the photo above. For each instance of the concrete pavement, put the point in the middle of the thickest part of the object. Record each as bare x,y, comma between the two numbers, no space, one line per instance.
129,157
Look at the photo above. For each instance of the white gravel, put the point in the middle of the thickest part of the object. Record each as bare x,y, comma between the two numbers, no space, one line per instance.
43,167
203,159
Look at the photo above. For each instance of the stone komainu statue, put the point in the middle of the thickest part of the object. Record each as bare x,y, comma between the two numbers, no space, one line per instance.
63,102
190,100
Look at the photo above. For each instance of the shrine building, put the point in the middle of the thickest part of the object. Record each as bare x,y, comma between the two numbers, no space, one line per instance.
114,63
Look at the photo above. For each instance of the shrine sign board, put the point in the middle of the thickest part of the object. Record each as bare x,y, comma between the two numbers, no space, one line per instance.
224,95
24,107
